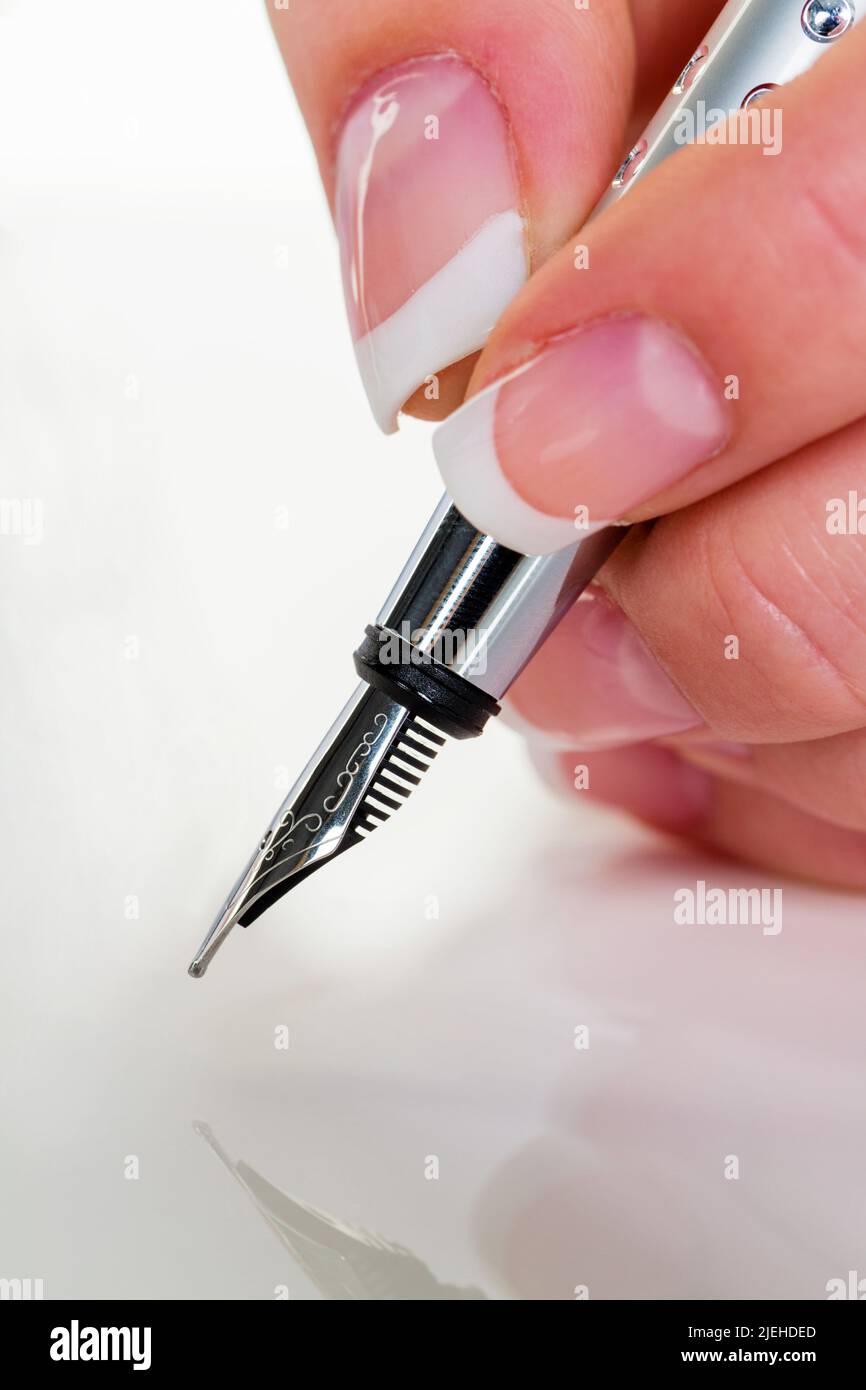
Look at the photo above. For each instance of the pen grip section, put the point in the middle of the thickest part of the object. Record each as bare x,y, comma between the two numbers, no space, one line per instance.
480,610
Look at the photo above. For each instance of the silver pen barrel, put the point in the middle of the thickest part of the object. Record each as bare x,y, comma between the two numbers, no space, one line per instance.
483,610
754,47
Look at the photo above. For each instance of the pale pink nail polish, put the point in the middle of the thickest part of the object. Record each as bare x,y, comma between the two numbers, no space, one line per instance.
428,215
722,748
600,421
731,760
594,684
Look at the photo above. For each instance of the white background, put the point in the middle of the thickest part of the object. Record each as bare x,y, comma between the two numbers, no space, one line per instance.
174,370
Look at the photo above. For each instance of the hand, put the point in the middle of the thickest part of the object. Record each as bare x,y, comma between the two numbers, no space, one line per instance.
701,363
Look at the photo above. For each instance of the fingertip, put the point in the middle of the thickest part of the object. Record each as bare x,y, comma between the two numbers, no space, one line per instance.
646,781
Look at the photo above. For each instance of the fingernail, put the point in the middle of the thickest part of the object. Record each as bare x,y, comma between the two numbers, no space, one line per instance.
594,684
649,782
428,216
734,760
600,421
720,748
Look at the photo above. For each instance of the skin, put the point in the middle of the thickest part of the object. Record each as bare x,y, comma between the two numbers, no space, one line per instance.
740,546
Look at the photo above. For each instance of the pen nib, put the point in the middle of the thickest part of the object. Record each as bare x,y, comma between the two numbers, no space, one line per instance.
228,915
363,771
211,944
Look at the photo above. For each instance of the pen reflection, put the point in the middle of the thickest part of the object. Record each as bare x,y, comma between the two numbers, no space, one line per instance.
345,1263
627,1105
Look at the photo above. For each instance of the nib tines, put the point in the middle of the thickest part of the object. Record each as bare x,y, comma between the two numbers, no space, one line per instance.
364,770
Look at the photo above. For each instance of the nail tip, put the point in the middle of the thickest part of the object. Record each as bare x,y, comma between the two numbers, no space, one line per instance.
432,239
445,320
465,451
607,416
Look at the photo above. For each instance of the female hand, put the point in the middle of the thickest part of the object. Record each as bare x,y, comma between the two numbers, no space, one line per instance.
699,364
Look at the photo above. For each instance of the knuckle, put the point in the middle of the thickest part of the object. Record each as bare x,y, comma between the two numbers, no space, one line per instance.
762,635
802,650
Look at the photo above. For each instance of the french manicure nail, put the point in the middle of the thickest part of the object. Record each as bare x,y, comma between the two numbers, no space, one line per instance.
601,420
428,215
595,684
731,760
721,748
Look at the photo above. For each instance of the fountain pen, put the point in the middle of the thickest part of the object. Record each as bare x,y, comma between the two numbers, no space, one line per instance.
467,614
